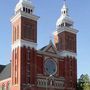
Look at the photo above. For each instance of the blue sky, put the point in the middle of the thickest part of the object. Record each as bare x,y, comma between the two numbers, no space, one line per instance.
49,12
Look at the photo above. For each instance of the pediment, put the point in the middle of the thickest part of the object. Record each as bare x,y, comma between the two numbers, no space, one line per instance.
50,49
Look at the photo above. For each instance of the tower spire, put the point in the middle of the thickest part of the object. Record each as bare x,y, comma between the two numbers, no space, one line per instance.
64,19
64,1
64,10
25,0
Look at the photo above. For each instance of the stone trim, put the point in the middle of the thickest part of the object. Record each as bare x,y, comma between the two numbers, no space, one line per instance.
68,29
43,81
23,14
48,54
67,53
8,79
21,43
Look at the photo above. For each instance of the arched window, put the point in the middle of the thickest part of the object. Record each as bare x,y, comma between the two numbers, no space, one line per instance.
64,12
24,9
28,65
28,55
15,34
28,10
17,31
31,11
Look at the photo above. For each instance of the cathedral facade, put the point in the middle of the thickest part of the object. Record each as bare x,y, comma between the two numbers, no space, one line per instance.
53,67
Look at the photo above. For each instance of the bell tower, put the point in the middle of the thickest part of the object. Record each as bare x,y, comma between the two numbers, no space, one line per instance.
65,34
65,40
24,45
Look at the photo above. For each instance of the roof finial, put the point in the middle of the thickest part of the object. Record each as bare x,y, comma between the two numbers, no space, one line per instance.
65,3
50,38
64,0
64,10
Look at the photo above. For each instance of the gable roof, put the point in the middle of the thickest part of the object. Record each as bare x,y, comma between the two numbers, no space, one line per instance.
49,48
43,48
6,73
2,67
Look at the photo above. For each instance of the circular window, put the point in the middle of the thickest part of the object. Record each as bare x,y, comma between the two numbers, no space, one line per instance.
50,66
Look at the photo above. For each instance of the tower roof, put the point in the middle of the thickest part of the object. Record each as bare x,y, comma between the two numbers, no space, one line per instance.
6,72
23,3
64,18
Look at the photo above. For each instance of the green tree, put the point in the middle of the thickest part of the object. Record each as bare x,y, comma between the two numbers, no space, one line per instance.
83,82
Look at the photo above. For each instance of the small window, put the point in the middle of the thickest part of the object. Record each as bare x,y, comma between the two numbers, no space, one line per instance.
62,24
67,25
64,12
31,10
28,10
24,9
18,32
28,67
28,79
15,33
28,55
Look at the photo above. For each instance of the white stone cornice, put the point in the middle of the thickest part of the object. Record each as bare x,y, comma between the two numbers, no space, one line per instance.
21,43
68,29
23,14
67,53
5,80
48,54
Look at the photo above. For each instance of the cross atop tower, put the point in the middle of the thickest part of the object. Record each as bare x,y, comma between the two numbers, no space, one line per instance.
25,1
64,1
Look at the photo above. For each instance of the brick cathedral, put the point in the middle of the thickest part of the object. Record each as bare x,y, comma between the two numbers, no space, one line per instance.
53,67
